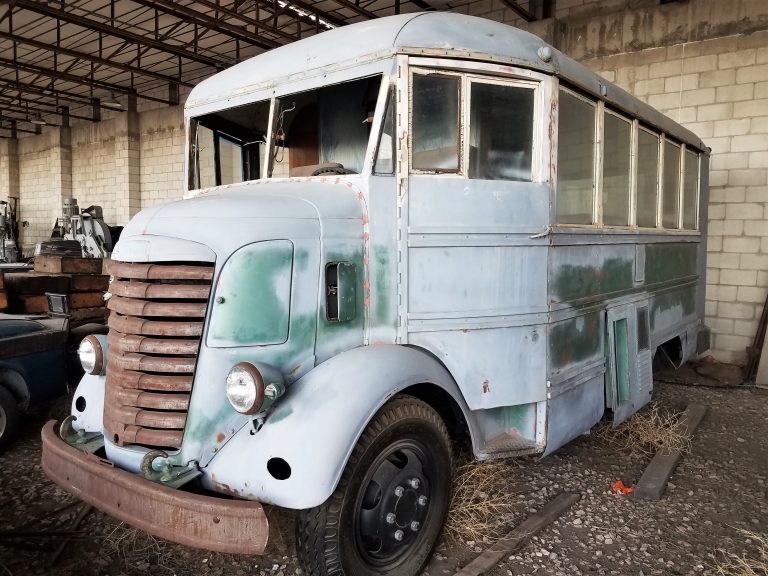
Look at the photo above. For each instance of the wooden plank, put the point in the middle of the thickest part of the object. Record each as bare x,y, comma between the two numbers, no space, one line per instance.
654,480
520,535
36,283
79,300
67,265
3,300
27,304
2,280
88,283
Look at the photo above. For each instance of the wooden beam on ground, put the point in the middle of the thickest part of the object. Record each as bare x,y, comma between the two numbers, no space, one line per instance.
520,535
654,480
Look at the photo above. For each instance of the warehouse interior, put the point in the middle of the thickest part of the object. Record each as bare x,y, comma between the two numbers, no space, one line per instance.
92,95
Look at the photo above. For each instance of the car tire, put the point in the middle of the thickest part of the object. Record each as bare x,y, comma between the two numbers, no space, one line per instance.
9,417
387,511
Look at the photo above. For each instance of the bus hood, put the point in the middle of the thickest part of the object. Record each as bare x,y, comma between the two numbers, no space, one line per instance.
225,219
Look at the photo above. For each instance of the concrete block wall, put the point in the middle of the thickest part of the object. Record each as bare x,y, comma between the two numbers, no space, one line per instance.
94,177
161,145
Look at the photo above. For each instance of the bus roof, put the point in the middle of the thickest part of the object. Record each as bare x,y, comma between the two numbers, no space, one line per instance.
443,34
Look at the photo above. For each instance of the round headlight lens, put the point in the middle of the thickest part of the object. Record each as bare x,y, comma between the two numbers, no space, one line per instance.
245,388
91,355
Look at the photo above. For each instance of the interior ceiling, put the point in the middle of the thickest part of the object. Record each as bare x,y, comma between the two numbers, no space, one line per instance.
64,59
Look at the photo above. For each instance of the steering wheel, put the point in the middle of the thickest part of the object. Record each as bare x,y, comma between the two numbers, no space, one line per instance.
329,170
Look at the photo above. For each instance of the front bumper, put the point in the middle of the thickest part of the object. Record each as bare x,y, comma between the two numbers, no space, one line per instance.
234,526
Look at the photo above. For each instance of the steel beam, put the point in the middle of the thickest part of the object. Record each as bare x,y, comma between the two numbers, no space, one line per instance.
82,99
90,58
515,7
9,103
188,14
45,9
15,64
354,7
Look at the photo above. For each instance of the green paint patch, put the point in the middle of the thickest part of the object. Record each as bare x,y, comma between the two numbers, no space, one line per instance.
665,262
683,299
576,339
252,302
574,282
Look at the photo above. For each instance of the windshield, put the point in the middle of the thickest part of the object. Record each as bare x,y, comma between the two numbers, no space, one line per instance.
315,133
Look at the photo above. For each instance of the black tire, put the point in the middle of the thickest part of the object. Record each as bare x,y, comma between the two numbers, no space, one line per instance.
9,417
353,533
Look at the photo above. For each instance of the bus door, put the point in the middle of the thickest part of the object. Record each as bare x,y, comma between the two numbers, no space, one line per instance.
629,378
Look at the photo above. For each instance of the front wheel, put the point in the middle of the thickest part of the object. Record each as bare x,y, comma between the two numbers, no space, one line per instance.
388,509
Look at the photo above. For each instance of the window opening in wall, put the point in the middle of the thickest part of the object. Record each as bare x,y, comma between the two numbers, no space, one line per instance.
690,189
575,160
617,145
647,186
501,132
325,130
227,147
385,150
435,131
671,190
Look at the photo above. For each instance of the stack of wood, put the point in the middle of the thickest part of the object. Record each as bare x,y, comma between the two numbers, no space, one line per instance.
81,279
3,295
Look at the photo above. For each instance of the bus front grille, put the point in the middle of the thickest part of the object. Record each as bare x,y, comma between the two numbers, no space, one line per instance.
155,326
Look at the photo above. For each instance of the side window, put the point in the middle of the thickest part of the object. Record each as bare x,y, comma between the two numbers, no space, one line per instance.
670,208
435,131
501,132
206,159
647,178
617,144
690,189
385,150
575,159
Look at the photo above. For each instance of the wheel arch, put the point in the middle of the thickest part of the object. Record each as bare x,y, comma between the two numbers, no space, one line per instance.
317,425
13,381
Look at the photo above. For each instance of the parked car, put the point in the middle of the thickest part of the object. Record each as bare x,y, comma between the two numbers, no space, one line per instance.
33,367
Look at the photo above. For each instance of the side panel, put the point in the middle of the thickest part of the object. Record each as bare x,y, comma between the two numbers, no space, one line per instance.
476,284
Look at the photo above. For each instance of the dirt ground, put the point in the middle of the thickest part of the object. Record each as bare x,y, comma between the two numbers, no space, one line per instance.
720,486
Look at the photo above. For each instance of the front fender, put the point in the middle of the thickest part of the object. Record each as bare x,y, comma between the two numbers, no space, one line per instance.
317,424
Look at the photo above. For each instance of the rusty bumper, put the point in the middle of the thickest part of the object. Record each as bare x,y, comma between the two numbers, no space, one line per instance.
235,526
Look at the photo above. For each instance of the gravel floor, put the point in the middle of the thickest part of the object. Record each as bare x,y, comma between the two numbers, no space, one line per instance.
721,486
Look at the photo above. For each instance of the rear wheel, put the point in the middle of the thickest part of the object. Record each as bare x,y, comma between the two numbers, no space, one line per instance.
387,512
9,417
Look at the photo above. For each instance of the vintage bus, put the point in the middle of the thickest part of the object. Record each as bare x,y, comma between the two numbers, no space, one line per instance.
403,233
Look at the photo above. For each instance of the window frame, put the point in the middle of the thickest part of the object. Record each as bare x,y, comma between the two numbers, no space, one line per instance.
469,72
662,195
597,162
633,140
697,190
536,142
461,168
659,173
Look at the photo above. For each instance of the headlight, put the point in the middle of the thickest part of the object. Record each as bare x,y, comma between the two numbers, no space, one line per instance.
245,388
91,355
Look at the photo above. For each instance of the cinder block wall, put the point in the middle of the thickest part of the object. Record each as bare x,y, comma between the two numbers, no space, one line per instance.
161,137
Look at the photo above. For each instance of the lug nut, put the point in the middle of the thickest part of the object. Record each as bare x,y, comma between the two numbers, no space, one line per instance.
399,491
399,535
422,500
415,483
391,518
415,526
